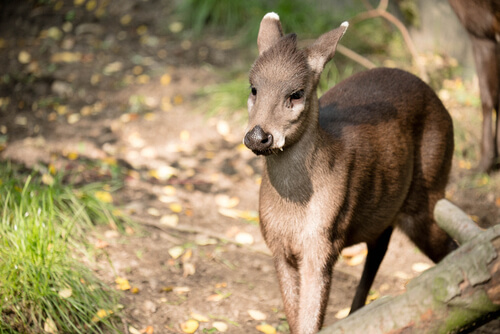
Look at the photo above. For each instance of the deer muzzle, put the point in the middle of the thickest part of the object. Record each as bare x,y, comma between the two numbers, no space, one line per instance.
259,141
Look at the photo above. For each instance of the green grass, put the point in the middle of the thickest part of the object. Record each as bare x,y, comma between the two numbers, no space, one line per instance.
42,234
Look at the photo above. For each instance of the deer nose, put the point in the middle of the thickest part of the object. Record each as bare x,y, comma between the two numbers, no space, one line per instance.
257,140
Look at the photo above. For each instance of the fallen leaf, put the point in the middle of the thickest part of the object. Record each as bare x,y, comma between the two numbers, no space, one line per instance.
122,283
187,255
178,99
203,240
91,5
100,244
176,252
133,330
148,330
188,269
135,290
225,201
72,155
266,329
343,313
181,290
73,118
55,33
190,326
169,220
101,314
420,267
165,79
66,57
65,293
244,238
373,295
24,57
47,179
50,326
184,135
220,326
142,29
153,212
199,317
113,67
257,315
215,298
497,202
175,207
176,27
355,260
223,128
104,196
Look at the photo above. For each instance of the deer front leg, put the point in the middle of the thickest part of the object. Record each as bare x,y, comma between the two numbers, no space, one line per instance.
288,278
315,280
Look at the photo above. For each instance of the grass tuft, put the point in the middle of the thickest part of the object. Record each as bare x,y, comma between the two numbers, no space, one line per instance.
43,287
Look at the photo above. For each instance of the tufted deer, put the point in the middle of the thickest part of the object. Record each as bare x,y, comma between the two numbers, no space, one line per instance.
372,154
481,19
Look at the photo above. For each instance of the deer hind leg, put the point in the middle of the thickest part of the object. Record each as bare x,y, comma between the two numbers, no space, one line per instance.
376,253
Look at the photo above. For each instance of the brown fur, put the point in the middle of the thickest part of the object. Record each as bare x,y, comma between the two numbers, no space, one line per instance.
481,19
373,154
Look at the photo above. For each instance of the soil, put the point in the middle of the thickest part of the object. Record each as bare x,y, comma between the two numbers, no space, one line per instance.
131,93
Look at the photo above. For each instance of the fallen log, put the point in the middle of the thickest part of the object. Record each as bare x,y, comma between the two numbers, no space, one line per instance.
459,292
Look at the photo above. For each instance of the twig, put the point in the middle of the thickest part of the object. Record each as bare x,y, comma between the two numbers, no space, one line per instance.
355,56
381,11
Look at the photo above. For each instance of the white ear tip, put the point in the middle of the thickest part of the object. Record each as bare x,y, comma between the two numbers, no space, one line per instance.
272,15
345,24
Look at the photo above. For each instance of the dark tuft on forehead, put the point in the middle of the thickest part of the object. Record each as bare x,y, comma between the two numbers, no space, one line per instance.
282,61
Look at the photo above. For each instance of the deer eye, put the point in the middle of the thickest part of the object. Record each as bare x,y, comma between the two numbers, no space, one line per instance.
297,95
254,91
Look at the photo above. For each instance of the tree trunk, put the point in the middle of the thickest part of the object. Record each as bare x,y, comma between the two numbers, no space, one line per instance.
462,290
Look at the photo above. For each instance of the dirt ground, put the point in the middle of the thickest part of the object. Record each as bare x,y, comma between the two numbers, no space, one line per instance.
120,82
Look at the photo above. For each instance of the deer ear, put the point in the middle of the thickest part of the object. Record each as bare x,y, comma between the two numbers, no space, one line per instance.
323,49
270,32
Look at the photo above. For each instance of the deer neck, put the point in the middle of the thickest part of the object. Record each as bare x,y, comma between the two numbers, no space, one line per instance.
290,171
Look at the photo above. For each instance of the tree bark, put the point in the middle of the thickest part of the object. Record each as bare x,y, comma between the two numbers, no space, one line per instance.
461,290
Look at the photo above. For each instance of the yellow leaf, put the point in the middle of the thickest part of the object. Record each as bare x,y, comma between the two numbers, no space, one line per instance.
134,290
199,317
104,196
101,314
137,70
175,207
355,260
61,110
50,326
187,255
343,313
184,135
188,269
178,99
153,212
72,156
169,190
148,330
73,118
373,295
169,220
24,57
65,293
220,326
79,2
165,79
166,105
142,29
122,283
47,179
143,79
190,326
420,267
91,5
149,116
266,329
257,315
52,169
176,252
225,201
66,57
125,19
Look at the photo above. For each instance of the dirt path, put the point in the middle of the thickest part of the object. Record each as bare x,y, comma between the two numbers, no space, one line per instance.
122,86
